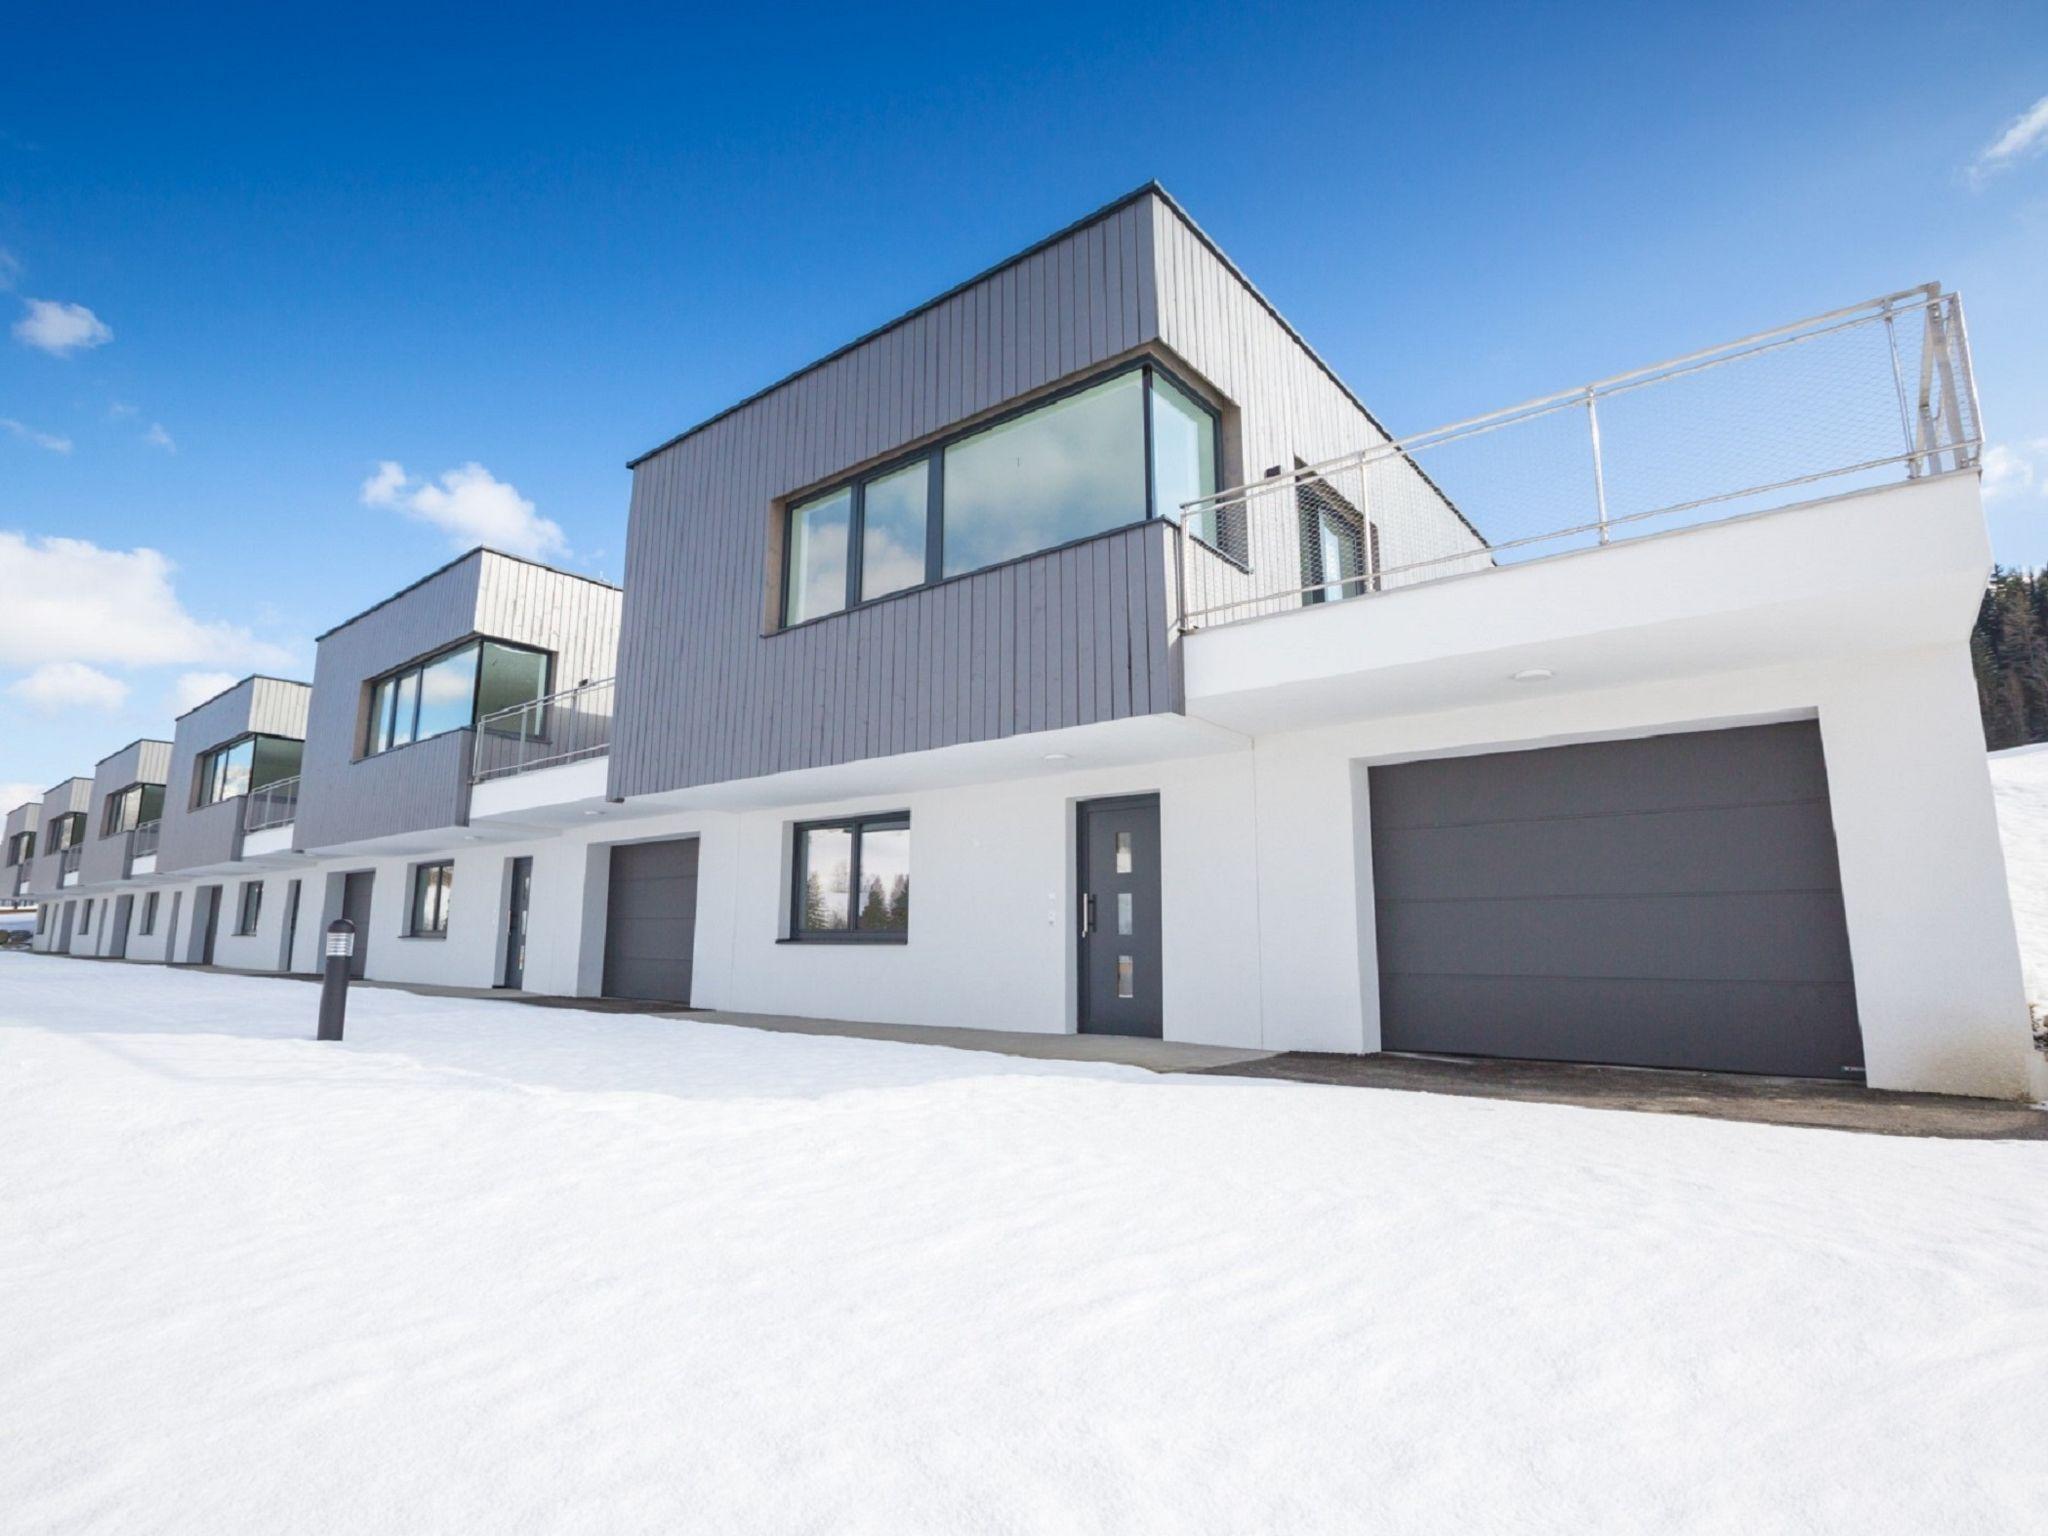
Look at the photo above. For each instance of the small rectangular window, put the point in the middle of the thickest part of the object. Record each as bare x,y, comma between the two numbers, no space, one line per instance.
148,914
1123,853
252,907
431,887
1126,977
852,879
85,917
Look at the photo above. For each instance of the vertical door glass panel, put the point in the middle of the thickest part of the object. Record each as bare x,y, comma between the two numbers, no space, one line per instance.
1183,449
1126,977
828,878
817,557
885,879
1123,853
893,530
510,677
1123,914
405,703
1060,473
448,693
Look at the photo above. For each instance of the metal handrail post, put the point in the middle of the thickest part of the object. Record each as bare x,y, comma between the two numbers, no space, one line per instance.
1599,468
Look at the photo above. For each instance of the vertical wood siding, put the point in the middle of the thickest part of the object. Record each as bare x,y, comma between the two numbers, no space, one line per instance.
60,799
706,696
426,785
140,762
193,836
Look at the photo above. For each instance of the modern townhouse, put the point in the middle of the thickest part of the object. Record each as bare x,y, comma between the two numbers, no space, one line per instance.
1633,725
20,846
54,872
126,810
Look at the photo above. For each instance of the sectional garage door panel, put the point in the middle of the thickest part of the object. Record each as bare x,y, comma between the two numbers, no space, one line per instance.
1672,901
651,921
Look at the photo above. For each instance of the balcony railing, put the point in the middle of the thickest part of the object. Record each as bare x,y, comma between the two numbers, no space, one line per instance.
565,727
147,835
1873,394
68,860
274,805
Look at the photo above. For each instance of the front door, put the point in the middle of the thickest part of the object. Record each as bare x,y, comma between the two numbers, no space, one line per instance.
206,913
69,915
355,906
1119,879
515,924
117,940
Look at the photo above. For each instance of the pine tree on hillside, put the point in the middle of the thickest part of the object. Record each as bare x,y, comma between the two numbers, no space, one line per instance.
2009,653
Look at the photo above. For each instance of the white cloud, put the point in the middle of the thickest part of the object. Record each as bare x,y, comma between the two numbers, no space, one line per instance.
61,329
2024,136
29,434
195,688
470,505
60,685
2013,469
157,437
70,600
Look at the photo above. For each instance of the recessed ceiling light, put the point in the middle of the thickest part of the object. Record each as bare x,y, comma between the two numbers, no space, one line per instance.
1532,675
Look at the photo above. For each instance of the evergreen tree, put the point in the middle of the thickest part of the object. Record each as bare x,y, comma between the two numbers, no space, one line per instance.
2009,654
874,909
899,904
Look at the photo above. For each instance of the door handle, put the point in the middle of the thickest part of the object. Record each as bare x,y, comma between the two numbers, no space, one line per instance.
1087,914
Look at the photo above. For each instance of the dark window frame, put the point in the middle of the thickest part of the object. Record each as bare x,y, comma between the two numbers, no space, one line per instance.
366,737
248,908
112,801
76,820
85,917
21,849
934,455
880,821
202,774
148,925
416,888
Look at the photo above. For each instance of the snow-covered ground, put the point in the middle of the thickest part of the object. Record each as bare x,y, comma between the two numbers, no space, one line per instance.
498,1269
2020,778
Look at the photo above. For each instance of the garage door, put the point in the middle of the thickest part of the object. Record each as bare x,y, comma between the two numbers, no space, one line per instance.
1672,901
651,921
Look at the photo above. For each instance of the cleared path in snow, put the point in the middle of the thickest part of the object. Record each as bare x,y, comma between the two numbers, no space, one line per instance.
498,1269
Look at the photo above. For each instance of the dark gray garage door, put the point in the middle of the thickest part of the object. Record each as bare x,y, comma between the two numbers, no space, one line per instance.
651,922
1667,902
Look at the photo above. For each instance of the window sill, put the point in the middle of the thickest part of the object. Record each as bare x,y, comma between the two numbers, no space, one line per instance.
845,938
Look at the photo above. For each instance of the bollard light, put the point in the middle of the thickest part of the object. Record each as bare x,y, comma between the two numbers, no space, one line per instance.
341,948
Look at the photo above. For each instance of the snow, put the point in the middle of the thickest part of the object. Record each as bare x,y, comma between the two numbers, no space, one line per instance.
504,1269
2019,777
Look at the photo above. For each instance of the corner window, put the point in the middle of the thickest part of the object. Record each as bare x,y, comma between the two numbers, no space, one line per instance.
148,913
20,848
852,879
67,831
251,909
451,692
431,887
1110,452
244,765
127,809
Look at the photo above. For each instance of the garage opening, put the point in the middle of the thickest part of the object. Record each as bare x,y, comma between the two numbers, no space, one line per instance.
1671,901
650,931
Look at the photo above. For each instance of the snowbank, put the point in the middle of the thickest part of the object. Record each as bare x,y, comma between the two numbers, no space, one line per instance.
486,1268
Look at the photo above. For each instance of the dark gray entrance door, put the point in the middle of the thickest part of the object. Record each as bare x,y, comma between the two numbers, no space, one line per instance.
1671,901
171,933
650,931
355,906
69,916
290,927
117,940
206,913
1120,947
515,923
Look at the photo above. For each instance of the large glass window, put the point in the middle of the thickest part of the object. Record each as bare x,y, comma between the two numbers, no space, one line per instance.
1049,475
852,879
432,885
451,692
67,831
129,808
245,764
1063,471
21,848
252,907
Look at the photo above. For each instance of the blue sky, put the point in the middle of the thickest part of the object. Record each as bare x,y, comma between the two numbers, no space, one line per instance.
541,246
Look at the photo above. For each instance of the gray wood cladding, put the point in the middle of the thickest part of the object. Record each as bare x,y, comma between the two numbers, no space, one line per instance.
25,817
195,837
343,799
140,762
1072,637
58,800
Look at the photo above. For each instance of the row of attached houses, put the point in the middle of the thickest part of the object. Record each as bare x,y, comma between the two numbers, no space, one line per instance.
1632,725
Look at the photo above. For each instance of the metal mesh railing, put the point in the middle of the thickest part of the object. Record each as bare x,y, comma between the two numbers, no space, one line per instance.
144,843
274,805
565,727
1864,396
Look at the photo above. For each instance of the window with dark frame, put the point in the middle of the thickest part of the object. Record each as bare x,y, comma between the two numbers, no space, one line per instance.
243,766
128,808
251,908
432,885
1119,448
852,880
20,848
1340,547
452,690
67,831
148,914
